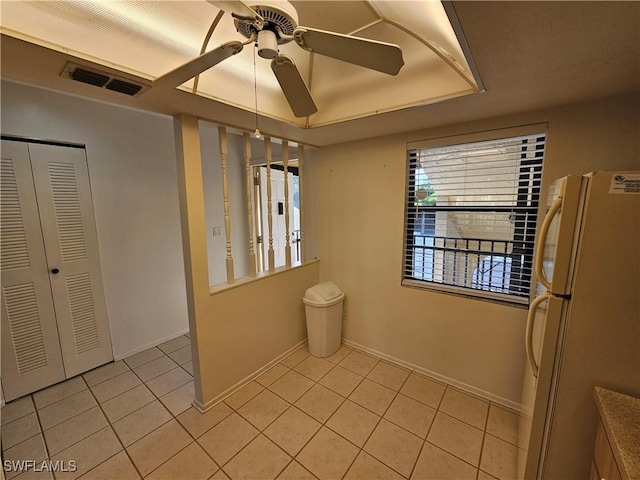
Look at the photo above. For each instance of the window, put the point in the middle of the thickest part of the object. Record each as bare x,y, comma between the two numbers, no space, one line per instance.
471,213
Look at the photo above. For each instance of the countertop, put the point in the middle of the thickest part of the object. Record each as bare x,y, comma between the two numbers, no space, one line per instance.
621,419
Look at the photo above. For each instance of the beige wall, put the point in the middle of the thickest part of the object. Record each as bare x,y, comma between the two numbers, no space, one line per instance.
243,329
355,205
234,332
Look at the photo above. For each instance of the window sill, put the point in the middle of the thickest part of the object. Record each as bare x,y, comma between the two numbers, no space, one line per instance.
468,293
223,287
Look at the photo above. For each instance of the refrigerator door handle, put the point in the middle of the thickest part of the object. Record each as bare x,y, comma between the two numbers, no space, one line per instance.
544,231
528,341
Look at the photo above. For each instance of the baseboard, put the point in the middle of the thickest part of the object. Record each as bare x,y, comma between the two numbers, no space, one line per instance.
421,370
231,390
436,376
149,345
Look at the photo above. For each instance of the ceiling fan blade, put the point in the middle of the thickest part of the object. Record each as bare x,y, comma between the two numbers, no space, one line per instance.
380,56
178,76
293,86
236,8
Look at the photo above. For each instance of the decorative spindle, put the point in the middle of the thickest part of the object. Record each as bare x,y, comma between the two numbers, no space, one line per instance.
271,253
247,172
222,136
285,162
303,250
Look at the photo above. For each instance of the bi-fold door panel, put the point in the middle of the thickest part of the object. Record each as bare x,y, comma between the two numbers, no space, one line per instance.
62,184
54,318
31,356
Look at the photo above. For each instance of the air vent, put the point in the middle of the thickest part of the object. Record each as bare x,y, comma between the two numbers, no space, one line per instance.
123,87
102,79
85,76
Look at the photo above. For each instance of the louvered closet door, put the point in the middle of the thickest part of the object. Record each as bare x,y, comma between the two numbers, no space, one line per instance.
62,185
31,357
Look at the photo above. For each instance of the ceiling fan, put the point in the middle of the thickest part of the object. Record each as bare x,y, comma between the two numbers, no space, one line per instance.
272,23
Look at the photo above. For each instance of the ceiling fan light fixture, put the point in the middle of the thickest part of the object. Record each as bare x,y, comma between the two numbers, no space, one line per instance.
267,44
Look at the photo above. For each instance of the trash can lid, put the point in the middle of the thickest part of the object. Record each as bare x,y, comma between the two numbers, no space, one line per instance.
322,293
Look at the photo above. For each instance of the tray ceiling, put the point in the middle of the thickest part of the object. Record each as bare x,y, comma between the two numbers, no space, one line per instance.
149,38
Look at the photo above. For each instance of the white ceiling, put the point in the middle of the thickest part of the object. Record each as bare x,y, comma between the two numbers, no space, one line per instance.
528,55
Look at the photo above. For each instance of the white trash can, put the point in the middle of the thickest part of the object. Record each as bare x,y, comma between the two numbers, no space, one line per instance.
323,310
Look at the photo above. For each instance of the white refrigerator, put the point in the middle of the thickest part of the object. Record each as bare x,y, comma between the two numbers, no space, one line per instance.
583,327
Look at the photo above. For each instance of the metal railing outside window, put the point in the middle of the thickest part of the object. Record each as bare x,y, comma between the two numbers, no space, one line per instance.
295,241
471,214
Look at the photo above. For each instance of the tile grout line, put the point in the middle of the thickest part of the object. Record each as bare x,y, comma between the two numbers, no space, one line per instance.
41,432
37,412
67,398
174,417
322,424
144,363
400,426
182,450
484,436
438,410
424,440
344,399
157,398
105,417
380,417
317,382
116,435
44,438
500,407
290,404
459,419
462,421
455,418
143,382
20,417
261,432
110,424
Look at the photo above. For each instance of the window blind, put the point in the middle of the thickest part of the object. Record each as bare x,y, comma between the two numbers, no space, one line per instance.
471,212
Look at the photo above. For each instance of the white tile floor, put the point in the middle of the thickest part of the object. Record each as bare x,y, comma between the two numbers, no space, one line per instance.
348,416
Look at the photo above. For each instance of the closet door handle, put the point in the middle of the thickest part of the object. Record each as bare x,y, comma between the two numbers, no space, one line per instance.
55,271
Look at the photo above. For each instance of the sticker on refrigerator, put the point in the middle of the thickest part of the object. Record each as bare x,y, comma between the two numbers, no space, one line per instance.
625,183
